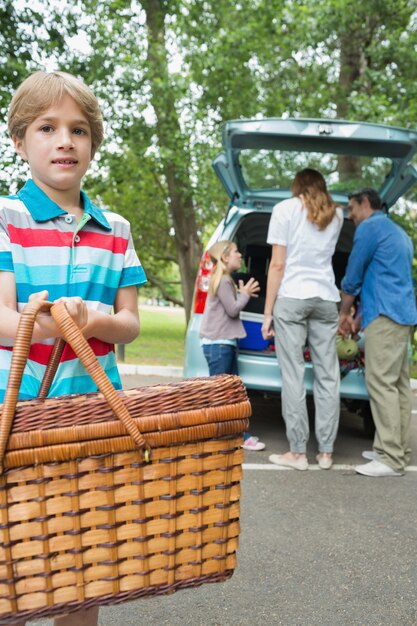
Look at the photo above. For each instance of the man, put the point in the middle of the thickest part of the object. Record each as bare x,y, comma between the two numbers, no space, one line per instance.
379,269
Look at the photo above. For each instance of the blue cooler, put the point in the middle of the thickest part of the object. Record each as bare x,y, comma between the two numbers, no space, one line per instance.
253,340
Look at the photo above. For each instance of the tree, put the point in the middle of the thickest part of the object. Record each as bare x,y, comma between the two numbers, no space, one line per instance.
28,37
168,74
157,144
175,155
15,58
321,58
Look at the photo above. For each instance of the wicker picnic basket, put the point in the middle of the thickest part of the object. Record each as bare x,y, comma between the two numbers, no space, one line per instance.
86,518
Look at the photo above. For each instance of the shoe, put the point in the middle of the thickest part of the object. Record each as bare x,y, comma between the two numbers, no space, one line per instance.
371,455
253,443
376,469
299,464
325,462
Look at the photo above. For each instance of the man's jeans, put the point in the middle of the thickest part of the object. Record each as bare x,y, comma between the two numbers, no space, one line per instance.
221,358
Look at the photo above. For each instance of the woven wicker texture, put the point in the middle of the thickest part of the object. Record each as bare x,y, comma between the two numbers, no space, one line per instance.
85,520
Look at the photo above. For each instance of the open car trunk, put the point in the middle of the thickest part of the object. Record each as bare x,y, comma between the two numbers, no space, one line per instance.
250,239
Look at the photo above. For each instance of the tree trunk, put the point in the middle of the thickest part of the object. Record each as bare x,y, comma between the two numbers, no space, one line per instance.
352,65
173,151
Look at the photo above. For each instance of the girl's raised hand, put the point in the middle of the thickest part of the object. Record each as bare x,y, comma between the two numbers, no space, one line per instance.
251,288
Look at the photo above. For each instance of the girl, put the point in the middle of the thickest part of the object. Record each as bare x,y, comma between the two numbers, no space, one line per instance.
301,300
221,326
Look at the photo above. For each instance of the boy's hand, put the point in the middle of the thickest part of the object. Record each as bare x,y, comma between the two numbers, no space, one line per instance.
251,288
77,308
39,295
45,326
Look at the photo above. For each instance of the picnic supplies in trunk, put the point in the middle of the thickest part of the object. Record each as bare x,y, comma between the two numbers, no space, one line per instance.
86,518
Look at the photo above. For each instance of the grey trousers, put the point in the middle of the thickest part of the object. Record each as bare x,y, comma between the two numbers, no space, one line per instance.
387,375
294,321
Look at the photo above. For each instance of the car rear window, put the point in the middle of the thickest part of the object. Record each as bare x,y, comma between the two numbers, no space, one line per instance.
275,169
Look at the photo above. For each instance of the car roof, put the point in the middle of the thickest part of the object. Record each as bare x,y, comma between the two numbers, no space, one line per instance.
342,139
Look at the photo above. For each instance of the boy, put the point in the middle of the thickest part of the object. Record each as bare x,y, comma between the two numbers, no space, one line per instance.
56,244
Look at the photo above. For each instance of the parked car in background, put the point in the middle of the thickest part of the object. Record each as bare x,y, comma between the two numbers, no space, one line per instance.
258,162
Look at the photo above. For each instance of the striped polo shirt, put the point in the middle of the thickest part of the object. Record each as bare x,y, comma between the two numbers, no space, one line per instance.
45,248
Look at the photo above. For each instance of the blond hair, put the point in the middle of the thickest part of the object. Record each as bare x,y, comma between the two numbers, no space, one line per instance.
319,204
217,252
41,90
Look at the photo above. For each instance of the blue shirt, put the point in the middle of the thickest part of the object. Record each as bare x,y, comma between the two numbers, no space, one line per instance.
379,268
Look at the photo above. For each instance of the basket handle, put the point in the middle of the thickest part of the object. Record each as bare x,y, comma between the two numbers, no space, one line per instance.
51,368
84,352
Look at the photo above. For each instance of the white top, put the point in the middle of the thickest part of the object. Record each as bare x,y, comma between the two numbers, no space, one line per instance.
308,265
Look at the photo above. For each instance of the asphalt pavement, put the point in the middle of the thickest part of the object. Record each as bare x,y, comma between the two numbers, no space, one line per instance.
317,548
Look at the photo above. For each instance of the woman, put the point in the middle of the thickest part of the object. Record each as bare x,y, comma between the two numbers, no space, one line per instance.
301,302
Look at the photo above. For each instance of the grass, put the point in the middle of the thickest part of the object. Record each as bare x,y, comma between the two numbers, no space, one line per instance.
161,339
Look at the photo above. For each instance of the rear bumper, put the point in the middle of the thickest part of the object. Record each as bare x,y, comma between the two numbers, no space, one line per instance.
259,369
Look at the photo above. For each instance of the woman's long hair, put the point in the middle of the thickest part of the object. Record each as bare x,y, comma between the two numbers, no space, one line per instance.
320,206
216,252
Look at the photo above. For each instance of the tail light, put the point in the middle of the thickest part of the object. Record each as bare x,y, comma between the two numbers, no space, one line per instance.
202,283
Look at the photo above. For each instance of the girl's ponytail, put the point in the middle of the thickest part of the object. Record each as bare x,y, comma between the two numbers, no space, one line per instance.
216,253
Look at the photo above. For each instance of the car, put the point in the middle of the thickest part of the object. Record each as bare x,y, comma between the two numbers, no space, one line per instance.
260,157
